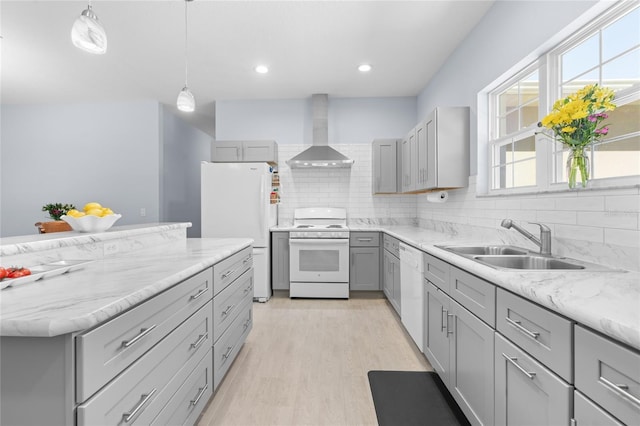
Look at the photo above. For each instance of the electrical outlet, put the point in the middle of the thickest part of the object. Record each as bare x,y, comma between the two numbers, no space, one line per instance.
143,212
111,248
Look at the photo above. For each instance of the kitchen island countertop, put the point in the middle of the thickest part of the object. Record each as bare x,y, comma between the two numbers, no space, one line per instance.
607,301
107,286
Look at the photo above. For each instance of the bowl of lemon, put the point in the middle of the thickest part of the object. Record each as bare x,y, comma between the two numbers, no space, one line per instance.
93,218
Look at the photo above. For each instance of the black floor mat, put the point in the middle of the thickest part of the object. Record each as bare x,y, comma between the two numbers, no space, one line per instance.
413,398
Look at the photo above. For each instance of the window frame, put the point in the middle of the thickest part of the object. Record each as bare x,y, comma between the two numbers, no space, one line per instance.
549,72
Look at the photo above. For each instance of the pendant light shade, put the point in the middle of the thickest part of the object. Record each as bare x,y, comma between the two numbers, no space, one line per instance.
88,34
186,101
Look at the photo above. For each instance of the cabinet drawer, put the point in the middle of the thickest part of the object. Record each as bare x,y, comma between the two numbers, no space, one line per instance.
392,245
436,271
107,350
227,303
543,334
191,398
475,294
364,239
146,387
609,374
587,413
226,271
228,346
526,392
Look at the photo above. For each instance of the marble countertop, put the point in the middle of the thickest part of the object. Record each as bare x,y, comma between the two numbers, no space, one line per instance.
105,287
605,300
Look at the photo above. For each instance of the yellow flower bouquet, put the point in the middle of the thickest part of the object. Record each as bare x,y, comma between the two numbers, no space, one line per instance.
576,123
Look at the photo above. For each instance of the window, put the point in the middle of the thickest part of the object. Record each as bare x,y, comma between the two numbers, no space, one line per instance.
606,53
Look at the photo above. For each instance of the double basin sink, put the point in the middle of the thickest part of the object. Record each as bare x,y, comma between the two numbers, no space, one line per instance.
510,257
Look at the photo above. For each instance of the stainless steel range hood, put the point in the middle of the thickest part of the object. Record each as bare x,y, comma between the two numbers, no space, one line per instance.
320,154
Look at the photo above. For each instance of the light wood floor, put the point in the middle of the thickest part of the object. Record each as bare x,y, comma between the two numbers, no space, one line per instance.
306,361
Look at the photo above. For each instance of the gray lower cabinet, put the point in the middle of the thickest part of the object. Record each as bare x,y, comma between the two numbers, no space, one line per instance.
460,348
526,392
608,373
280,260
391,271
364,270
588,413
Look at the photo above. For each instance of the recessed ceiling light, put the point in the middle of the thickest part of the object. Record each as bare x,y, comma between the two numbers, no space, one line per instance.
262,69
364,68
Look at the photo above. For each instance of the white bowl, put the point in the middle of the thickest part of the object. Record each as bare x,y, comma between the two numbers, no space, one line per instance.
90,223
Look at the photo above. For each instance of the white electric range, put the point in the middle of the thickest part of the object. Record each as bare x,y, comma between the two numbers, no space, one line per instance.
319,253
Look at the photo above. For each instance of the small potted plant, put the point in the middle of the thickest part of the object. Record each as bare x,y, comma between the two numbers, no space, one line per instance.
56,211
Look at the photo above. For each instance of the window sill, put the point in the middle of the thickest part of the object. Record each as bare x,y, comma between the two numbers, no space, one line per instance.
561,189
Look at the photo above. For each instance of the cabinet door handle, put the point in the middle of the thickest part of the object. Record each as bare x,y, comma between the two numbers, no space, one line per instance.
246,324
226,311
620,389
145,398
513,360
201,339
518,326
443,318
201,392
198,294
226,354
244,262
449,315
143,332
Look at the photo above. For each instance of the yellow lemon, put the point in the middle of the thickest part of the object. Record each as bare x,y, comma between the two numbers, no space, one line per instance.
79,214
106,211
91,206
95,212
72,212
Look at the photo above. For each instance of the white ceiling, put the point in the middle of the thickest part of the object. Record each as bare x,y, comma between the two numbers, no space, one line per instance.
309,46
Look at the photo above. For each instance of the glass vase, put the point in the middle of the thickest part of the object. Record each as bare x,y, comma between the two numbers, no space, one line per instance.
577,164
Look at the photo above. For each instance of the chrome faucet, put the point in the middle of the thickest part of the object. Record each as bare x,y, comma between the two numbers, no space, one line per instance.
544,242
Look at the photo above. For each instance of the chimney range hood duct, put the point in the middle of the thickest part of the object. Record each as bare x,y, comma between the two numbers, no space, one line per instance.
320,154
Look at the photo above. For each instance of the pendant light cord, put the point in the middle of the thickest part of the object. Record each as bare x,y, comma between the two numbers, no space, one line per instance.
186,55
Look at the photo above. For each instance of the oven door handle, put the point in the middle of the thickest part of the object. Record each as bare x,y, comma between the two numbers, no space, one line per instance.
318,241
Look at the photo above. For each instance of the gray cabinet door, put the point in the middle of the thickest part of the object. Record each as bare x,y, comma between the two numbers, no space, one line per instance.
409,162
526,392
226,151
280,260
384,166
364,273
422,155
387,275
436,333
472,362
588,413
395,262
430,155
260,151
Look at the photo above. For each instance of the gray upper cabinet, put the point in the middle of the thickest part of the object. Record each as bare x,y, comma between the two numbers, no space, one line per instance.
446,132
409,162
244,151
385,170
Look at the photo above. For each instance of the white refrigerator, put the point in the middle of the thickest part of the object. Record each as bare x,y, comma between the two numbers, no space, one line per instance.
235,203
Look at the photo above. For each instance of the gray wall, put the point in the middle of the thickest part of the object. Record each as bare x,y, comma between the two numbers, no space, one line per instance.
509,33
183,148
77,153
288,121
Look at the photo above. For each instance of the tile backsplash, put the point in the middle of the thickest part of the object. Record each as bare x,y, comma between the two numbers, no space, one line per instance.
600,226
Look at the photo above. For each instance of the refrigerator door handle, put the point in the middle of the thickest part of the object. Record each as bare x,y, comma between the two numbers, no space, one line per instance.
263,198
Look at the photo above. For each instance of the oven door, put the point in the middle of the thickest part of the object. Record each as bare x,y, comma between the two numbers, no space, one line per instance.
319,260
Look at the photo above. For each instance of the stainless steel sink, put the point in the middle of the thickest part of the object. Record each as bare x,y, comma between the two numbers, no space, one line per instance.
517,258
527,262
486,250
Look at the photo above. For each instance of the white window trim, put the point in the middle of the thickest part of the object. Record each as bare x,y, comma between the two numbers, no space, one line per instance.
547,55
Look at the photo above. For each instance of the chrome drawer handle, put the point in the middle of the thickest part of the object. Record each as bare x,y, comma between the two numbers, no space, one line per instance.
249,288
519,327
513,360
245,261
201,339
620,389
226,274
226,311
246,324
365,239
198,294
143,332
145,398
226,355
201,392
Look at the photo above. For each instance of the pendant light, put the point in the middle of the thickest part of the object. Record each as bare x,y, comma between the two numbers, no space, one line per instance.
88,34
186,101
